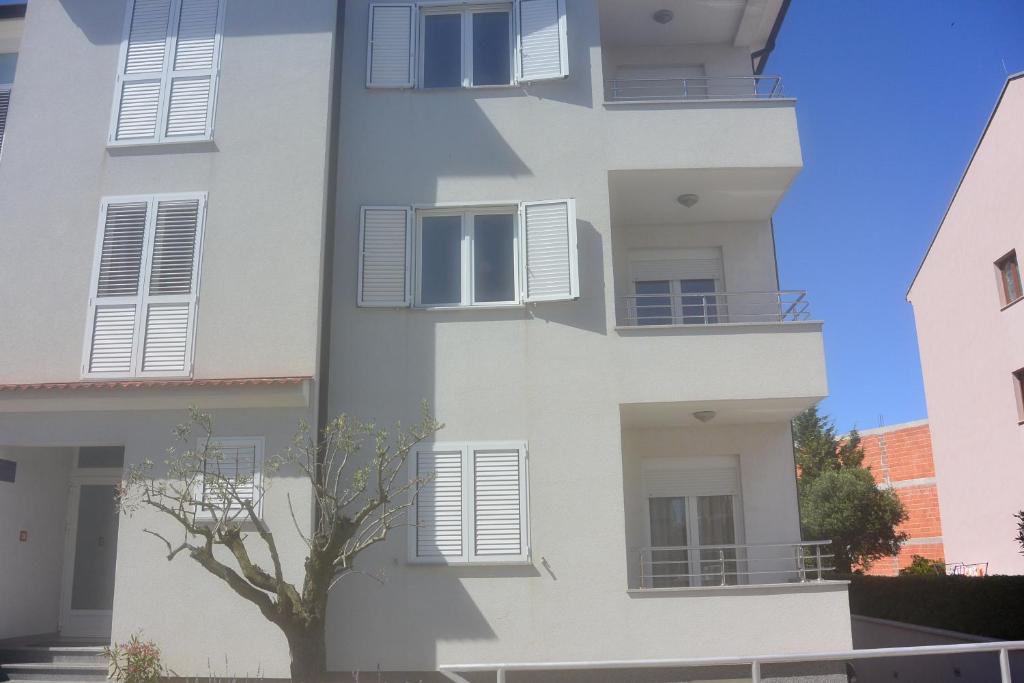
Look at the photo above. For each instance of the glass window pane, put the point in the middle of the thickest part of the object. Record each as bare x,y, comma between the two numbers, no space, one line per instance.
653,303
698,310
441,260
718,566
491,50
494,258
442,50
668,568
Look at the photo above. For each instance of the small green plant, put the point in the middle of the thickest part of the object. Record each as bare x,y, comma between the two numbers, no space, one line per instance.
922,566
137,661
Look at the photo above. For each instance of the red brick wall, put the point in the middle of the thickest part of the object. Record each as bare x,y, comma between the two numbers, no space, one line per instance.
901,457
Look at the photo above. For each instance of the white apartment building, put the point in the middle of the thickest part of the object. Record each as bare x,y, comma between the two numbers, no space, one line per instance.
551,219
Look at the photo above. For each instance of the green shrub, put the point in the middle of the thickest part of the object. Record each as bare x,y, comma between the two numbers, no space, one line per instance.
922,566
983,606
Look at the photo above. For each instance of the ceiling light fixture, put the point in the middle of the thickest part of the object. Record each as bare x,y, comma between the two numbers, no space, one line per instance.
687,200
705,415
663,16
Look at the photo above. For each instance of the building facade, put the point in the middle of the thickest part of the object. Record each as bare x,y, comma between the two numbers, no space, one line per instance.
550,219
900,458
973,370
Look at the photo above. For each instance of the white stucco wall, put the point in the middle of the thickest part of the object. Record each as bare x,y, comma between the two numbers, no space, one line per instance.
264,173
969,348
554,374
36,502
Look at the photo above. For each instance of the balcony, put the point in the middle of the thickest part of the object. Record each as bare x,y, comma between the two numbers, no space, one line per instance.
697,89
766,564
714,308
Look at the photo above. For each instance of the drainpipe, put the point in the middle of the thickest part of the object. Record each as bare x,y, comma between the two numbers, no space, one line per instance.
760,58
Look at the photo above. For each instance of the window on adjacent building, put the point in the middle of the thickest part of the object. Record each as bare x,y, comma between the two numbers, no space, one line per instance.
469,45
167,77
1009,278
474,507
142,307
5,105
233,475
467,257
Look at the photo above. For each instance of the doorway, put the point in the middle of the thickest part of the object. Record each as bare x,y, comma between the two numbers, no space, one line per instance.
90,551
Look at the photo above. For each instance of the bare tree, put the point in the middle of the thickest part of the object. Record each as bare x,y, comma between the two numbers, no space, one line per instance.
360,491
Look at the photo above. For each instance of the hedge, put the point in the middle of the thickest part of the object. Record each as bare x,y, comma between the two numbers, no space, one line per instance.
991,606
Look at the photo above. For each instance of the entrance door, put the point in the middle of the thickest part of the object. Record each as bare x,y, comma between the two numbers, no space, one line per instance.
90,555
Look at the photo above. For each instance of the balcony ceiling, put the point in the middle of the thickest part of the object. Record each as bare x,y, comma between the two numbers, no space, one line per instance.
649,197
734,412
745,23
10,34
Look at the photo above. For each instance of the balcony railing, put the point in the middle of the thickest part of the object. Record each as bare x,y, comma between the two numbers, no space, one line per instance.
704,88
716,308
733,565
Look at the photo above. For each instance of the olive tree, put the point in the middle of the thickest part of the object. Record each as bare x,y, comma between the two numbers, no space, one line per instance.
360,492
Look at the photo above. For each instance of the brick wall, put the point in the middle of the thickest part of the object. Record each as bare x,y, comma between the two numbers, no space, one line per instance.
901,457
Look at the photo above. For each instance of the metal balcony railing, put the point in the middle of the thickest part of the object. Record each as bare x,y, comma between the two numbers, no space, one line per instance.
704,88
716,308
732,565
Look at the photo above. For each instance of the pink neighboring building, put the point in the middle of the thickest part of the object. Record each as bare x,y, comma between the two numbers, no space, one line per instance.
970,327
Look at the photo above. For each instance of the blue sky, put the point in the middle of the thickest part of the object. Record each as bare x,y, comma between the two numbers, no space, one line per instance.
892,97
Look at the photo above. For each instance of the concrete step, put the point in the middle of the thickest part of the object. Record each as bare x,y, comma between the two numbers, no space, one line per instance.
54,671
65,654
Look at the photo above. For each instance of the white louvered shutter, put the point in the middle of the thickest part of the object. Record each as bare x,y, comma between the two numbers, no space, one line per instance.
385,245
169,301
114,306
237,463
549,250
439,506
391,46
140,78
193,70
499,504
543,49
5,105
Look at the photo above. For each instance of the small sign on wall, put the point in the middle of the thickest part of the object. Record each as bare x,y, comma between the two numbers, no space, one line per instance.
7,468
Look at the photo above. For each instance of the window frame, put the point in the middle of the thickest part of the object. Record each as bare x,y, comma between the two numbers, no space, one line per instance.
1004,291
467,254
469,556
259,444
465,13
142,297
1018,391
167,78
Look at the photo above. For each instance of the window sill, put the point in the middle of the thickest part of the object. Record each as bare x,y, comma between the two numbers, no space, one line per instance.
205,144
423,562
475,307
1012,303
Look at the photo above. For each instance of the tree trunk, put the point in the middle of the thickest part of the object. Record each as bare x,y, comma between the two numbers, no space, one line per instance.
308,650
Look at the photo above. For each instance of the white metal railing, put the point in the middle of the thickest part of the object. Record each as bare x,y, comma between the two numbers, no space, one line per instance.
967,569
702,88
714,308
733,564
1002,649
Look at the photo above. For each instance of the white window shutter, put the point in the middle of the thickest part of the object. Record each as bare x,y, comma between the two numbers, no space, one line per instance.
438,529
550,250
140,76
391,46
169,301
5,105
193,69
385,246
116,289
238,462
499,503
543,48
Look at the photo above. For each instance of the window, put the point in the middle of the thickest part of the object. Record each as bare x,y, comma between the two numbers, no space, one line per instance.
1018,387
473,510
693,508
235,462
472,44
677,287
466,257
5,105
1009,278
467,47
167,77
142,308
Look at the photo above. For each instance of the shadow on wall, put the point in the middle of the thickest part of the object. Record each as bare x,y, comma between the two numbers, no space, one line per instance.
103,22
589,312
